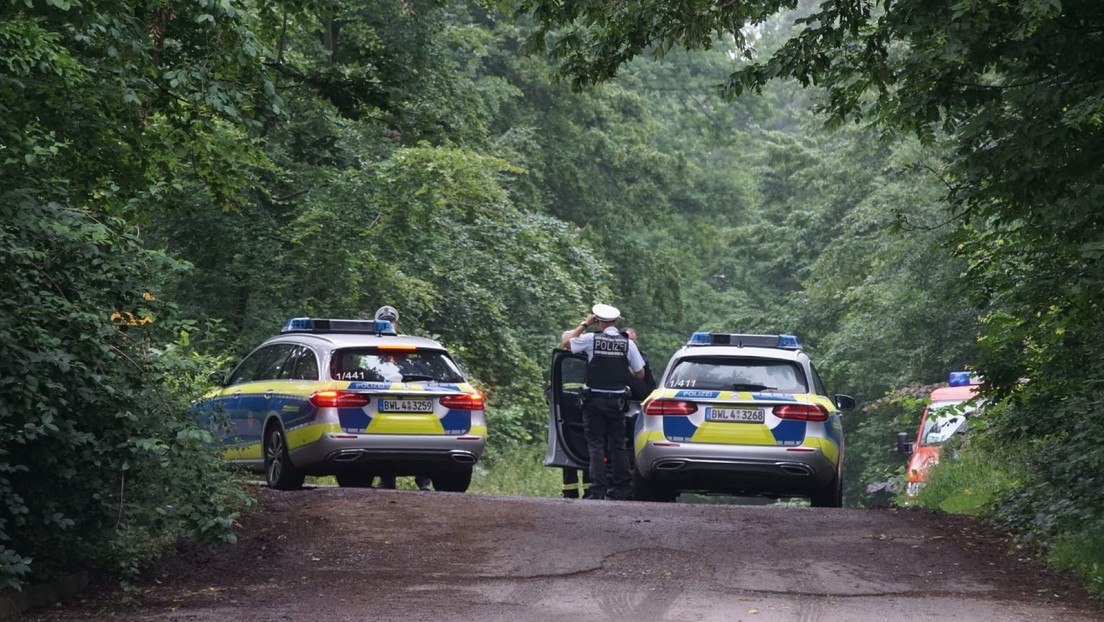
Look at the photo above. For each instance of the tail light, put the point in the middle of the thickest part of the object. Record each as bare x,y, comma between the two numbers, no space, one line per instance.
463,401
338,399
801,412
670,408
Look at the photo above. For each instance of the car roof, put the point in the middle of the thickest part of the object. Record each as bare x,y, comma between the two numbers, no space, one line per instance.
745,352
354,340
955,393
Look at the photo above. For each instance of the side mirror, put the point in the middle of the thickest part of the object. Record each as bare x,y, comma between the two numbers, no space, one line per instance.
548,395
904,445
845,402
216,378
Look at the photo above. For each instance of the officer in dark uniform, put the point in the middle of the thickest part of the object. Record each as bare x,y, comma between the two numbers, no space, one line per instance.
647,383
613,360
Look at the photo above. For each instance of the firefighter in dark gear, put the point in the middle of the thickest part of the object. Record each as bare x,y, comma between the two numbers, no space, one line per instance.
575,482
613,361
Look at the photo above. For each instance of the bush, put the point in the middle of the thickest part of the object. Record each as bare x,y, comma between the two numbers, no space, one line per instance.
100,468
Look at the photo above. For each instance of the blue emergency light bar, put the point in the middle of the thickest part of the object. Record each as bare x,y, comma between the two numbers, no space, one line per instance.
325,325
961,379
785,342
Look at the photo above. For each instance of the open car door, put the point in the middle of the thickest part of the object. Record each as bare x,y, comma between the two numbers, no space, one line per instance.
567,445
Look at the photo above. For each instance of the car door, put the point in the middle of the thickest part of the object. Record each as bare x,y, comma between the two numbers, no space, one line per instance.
566,443
249,394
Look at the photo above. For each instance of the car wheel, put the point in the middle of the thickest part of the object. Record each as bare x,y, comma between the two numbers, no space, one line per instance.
453,481
354,479
830,495
647,490
280,473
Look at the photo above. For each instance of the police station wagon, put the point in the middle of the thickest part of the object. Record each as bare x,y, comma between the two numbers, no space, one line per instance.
734,413
352,399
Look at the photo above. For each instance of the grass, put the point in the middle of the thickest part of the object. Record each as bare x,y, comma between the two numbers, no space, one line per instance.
518,471
968,483
1083,554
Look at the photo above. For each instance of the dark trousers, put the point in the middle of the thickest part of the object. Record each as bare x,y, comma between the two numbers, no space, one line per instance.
604,429
573,485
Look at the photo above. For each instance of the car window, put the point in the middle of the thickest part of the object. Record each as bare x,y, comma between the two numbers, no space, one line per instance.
944,419
247,370
726,373
394,365
818,384
264,364
301,365
275,368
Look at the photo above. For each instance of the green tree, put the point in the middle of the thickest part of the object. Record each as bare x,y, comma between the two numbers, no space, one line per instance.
105,109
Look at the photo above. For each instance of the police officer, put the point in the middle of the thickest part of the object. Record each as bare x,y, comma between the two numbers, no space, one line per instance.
646,383
612,362
391,314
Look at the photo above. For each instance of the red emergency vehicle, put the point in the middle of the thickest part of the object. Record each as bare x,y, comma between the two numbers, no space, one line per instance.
944,417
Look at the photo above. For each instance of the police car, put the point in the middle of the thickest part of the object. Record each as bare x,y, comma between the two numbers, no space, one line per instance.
733,413
352,399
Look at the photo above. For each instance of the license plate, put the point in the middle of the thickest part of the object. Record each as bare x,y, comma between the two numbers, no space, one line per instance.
406,406
738,415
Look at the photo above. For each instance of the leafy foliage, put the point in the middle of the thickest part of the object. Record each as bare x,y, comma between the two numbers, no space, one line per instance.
103,111
99,465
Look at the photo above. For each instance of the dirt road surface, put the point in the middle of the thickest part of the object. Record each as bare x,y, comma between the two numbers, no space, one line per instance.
335,554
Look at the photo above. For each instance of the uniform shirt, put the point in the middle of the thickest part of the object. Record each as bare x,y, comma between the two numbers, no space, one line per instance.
585,343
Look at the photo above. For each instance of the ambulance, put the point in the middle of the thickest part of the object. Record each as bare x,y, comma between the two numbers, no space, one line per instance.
945,417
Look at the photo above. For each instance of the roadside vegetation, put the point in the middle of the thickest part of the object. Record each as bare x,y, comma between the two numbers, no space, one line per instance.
206,170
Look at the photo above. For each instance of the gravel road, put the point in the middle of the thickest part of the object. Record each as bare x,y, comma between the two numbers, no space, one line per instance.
325,554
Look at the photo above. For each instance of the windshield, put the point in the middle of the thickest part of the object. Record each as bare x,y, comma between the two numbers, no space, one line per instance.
944,419
385,365
737,374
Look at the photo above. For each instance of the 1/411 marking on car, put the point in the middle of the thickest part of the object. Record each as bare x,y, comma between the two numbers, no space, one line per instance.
406,406
736,415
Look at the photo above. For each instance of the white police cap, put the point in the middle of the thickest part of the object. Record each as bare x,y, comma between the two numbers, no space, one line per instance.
605,313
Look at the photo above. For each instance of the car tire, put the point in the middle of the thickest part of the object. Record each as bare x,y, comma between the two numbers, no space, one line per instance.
354,479
647,490
453,481
830,495
280,473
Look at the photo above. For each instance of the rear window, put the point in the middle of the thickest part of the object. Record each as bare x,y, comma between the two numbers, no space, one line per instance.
737,374
387,365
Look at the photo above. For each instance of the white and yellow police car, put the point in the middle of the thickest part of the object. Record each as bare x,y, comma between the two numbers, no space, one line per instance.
733,414
352,399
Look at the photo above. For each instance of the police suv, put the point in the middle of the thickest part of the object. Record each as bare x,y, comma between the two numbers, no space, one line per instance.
352,399
733,413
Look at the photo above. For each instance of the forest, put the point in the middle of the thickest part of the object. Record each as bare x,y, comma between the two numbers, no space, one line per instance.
911,187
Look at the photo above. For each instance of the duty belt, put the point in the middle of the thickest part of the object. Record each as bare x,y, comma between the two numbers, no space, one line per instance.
607,393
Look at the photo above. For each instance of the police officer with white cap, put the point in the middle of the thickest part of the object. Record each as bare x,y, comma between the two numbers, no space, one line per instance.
612,360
